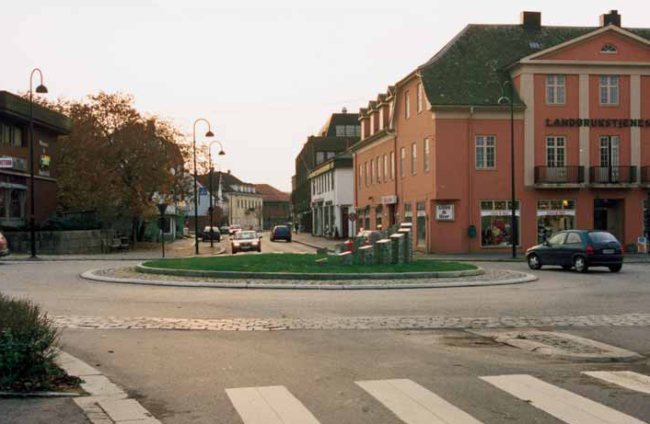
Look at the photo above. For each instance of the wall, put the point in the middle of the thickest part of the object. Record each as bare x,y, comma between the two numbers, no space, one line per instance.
62,242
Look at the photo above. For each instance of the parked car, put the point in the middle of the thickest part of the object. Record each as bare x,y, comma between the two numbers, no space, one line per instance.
216,234
224,229
245,241
281,232
233,229
4,246
579,249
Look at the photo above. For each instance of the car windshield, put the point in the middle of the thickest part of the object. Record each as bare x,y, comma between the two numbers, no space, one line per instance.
602,237
245,235
281,229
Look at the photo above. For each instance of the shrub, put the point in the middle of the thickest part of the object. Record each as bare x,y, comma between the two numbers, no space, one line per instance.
27,346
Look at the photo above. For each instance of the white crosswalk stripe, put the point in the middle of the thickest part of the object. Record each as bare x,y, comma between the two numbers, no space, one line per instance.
414,404
269,405
627,379
562,404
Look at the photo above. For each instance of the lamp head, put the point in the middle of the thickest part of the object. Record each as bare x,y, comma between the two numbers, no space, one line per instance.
209,134
503,100
41,89
222,153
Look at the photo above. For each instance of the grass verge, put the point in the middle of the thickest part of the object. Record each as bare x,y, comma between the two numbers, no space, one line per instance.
300,263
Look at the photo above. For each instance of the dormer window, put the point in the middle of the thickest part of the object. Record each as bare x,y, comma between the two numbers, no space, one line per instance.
609,49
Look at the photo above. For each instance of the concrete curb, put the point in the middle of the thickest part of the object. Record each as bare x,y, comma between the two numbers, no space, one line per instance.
90,275
313,246
106,258
306,276
107,403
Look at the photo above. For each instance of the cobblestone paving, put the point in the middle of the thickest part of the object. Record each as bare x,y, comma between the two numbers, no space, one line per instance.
354,323
131,273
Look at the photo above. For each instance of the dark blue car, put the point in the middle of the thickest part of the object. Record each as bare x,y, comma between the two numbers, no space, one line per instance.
579,249
281,232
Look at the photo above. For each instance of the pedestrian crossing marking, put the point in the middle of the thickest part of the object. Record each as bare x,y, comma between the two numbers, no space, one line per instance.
627,379
269,405
562,404
414,404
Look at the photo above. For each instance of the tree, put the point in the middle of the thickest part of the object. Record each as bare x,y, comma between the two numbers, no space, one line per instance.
117,162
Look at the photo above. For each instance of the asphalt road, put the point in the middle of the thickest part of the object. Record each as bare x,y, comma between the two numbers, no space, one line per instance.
181,376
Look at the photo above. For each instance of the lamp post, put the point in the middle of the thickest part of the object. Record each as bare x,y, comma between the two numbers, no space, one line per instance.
221,153
196,194
32,203
162,207
510,100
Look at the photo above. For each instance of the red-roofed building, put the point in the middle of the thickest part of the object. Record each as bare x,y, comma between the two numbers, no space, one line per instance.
276,209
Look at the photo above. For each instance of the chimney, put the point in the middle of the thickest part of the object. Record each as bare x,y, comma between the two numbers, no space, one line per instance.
531,20
611,18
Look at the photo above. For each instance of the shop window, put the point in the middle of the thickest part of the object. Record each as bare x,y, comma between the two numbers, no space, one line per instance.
378,213
16,204
609,90
408,213
554,216
3,203
485,152
555,89
366,225
496,223
421,223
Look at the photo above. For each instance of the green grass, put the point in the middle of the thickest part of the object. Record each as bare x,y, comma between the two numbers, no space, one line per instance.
299,263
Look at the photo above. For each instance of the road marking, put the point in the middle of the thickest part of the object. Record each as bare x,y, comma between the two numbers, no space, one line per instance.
269,405
627,379
562,404
414,404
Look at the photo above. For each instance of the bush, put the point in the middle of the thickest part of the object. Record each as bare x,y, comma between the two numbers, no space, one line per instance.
27,346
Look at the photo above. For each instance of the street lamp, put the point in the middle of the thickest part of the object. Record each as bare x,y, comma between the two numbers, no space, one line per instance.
503,100
221,153
162,207
196,194
41,89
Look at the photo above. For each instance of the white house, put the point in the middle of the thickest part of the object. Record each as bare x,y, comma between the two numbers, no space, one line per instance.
332,194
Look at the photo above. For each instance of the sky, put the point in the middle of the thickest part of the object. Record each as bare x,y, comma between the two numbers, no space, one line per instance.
266,74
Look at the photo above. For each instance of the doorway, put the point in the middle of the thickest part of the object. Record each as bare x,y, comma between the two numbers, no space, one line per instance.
608,216
345,222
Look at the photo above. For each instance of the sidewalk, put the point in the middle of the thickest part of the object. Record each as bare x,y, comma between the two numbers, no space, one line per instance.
320,243
41,411
179,248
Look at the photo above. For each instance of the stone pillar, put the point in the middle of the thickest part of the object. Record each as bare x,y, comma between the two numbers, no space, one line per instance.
367,255
345,258
397,248
382,252
408,245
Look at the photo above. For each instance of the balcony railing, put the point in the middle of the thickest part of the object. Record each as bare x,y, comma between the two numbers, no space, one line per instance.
645,174
559,175
613,175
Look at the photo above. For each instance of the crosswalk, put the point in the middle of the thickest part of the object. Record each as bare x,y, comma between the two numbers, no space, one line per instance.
412,403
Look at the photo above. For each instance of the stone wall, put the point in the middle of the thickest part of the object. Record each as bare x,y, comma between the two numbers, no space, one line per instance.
62,242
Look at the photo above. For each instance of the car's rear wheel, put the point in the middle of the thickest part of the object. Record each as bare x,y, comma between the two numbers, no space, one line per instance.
580,264
616,268
534,262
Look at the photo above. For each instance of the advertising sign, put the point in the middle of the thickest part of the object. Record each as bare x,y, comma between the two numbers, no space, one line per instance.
445,212
642,245
389,200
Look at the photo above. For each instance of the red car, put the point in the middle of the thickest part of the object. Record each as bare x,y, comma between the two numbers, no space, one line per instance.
4,246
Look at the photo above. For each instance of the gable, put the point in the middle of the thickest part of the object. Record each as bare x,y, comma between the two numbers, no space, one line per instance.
628,49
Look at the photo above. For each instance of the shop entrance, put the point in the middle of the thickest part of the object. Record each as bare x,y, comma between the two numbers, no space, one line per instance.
608,216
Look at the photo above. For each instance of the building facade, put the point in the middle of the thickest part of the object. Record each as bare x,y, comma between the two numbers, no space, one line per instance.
581,126
340,132
15,189
276,207
332,194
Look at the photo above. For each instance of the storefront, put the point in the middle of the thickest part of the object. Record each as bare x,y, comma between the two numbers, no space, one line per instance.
496,223
554,216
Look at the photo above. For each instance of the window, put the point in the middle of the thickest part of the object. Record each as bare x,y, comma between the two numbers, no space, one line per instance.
496,223
557,240
414,158
340,130
555,89
380,170
573,238
609,90
385,167
367,173
12,203
609,48
419,97
407,104
320,157
378,213
372,171
360,174
11,135
377,161
350,130
421,221
392,165
555,152
426,154
402,159
357,130
408,213
485,152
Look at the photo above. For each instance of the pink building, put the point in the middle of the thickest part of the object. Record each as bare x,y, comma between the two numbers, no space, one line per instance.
436,147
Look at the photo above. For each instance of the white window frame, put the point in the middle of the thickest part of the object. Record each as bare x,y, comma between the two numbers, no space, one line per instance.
609,90
407,104
385,167
485,144
360,174
380,169
392,165
426,155
555,148
402,161
414,158
419,97
556,89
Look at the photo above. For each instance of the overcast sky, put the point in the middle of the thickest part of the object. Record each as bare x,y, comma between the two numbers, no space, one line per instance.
265,73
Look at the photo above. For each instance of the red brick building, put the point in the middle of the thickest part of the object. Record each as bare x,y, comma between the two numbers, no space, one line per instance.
435,147
14,159
276,207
